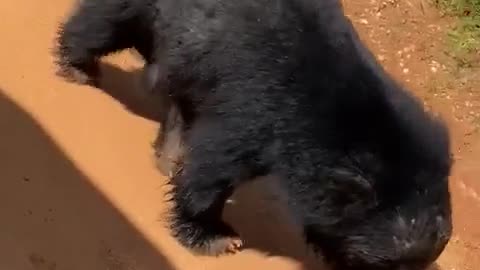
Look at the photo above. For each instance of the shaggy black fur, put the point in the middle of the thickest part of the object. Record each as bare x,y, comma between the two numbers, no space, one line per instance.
283,87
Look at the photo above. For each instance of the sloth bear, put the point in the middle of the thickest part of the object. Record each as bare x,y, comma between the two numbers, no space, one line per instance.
284,88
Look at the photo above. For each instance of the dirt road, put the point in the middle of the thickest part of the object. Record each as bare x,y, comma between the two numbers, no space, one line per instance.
78,186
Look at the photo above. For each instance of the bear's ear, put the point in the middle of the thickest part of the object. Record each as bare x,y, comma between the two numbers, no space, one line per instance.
350,190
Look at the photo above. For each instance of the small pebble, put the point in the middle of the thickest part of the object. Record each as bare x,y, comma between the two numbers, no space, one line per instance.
363,21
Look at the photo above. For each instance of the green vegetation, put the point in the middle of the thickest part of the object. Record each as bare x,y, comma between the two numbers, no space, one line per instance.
465,36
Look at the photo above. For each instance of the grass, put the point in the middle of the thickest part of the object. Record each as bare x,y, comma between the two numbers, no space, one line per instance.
464,38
